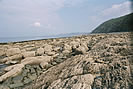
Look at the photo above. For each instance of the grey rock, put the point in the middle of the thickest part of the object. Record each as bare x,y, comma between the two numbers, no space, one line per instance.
16,85
48,66
17,79
27,80
54,63
4,87
32,70
33,76
58,60
39,72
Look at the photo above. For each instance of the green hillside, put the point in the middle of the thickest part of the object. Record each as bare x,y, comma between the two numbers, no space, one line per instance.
121,24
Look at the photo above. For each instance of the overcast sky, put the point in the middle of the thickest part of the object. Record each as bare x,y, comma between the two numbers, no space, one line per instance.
48,17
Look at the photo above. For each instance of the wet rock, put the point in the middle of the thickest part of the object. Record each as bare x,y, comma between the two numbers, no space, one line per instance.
16,85
17,79
4,87
3,66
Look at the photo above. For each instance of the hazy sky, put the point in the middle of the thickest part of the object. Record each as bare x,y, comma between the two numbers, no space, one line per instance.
47,17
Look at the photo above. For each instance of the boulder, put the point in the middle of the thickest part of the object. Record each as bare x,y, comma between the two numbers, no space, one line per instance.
83,44
56,49
48,48
14,57
67,47
50,53
11,62
43,64
12,51
13,71
66,52
17,79
40,51
36,60
80,50
9,68
28,54
74,44
33,76
2,52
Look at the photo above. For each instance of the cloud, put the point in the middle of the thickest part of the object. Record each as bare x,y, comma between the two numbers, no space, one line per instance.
32,10
131,4
118,9
71,3
37,24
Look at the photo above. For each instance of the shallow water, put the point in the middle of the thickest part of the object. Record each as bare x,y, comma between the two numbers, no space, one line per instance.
2,66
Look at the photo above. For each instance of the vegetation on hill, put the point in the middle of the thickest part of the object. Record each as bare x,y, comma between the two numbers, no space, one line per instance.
121,24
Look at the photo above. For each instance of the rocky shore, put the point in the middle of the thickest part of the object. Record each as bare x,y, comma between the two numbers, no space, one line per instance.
96,61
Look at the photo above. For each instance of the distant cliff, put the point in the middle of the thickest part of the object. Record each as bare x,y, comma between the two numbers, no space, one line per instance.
121,24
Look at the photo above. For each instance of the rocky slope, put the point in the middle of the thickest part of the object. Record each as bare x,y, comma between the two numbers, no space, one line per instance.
98,61
121,24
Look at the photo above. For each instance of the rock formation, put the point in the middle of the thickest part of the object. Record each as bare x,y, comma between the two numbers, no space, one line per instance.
98,61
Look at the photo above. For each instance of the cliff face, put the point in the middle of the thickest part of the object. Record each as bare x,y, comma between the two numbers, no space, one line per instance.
101,61
121,24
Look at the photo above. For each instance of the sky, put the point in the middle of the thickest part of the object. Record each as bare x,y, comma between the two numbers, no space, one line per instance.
19,18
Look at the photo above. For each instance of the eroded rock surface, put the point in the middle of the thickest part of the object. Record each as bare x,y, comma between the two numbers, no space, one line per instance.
99,61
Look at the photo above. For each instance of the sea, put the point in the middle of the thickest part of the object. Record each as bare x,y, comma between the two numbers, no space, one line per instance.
19,39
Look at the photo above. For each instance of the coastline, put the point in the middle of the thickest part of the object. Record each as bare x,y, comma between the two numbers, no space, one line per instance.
58,37
46,61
